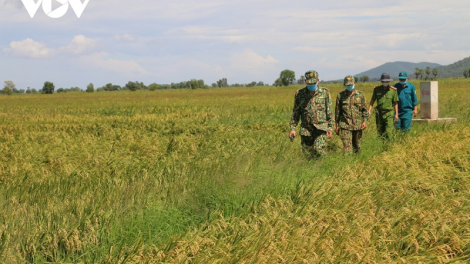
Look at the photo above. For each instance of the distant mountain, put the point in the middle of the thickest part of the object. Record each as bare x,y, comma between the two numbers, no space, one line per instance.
455,69
393,68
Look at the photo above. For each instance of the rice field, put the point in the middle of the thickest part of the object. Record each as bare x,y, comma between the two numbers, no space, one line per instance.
210,176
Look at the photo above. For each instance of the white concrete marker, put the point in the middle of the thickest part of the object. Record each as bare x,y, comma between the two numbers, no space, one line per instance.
430,104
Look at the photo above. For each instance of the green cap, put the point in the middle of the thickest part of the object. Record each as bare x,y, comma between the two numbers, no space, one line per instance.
403,75
311,77
349,80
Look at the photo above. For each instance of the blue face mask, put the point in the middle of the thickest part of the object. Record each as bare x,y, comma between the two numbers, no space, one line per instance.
349,88
312,88
403,83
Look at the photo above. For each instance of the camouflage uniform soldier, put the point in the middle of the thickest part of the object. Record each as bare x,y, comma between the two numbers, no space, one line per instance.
351,115
386,112
312,105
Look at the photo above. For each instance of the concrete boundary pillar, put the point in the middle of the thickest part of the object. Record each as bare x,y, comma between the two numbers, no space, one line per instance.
430,104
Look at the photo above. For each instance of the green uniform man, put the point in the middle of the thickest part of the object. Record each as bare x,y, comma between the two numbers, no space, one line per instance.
312,106
386,112
351,115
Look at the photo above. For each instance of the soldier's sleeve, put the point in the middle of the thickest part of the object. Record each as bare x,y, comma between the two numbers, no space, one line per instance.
364,108
337,108
414,97
295,112
395,97
374,96
329,114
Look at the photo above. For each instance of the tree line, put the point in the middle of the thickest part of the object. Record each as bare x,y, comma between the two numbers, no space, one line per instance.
49,87
287,77
466,73
420,72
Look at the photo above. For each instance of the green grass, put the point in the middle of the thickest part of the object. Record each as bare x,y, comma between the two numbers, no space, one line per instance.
209,176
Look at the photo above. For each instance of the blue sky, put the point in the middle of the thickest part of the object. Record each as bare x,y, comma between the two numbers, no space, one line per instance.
115,41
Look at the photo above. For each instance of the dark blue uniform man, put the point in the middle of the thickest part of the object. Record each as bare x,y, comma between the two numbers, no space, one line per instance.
408,102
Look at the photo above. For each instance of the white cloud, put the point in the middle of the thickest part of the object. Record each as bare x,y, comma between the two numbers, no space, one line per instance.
79,45
248,65
125,67
394,40
126,37
9,5
30,49
248,59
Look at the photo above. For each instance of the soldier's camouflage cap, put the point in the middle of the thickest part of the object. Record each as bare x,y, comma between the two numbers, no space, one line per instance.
349,80
311,77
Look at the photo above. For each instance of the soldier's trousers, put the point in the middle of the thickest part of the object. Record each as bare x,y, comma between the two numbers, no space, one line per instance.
314,145
384,122
351,140
404,123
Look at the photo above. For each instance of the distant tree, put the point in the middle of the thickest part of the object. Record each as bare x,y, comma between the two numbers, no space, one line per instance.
193,84
465,73
253,83
417,72
9,87
287,77
108,87
356,80
201,83
222,82
7,91
153,87
421,73
214,85
28,91
74,89
67,90
301,80
90,88
364,78
435,71
132,86
277,82
48,88
260,83
428,71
